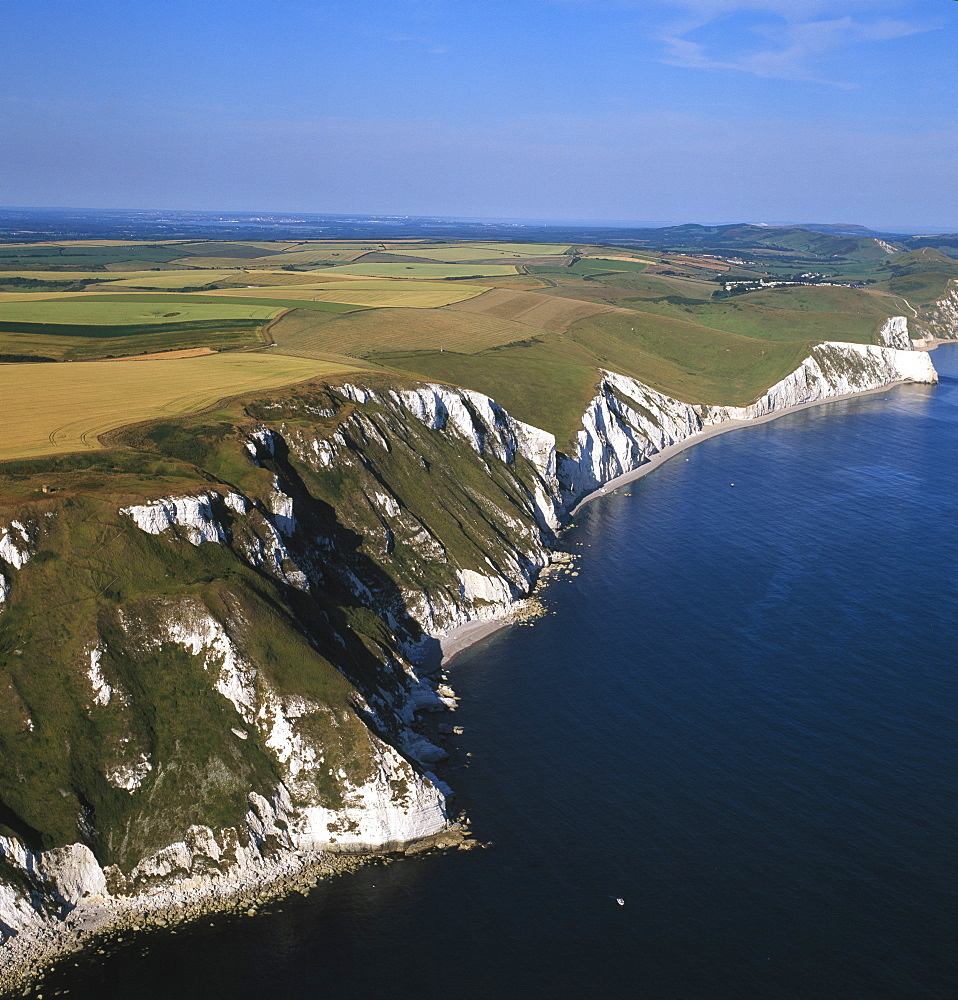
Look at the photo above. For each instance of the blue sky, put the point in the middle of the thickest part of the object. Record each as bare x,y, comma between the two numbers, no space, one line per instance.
672,110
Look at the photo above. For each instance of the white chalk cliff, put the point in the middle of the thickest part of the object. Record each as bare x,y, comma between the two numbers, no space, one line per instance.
939,319
627,422
894,333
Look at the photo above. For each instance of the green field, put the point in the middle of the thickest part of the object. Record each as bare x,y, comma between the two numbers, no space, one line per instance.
85,327
243,298
79,343
604,285
172,279
98,276
80,256
306,256
588,266
526,249
376,292
127,311
545,380
790,313
365,334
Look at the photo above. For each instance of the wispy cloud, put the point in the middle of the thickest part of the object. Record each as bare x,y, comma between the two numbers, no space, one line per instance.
779,39
418,42
787,50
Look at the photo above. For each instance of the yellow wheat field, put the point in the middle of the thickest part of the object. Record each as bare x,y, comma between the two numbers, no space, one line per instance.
46,409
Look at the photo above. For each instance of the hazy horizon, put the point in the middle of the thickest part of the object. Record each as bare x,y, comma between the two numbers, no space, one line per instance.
579,110
908,229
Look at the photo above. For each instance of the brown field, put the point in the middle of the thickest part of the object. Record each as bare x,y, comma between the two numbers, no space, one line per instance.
546,312
270,279
206,263
650,283
46,409
137,265
310,255
187,352
516,282
376,292
595,292
385,257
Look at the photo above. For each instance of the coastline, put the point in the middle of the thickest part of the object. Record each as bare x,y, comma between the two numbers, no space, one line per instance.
106,920
462,637
931,344
661,457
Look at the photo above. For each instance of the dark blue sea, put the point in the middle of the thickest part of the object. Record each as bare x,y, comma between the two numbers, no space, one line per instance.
741,717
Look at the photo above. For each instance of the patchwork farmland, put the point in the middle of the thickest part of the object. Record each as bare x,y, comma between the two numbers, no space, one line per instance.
530,324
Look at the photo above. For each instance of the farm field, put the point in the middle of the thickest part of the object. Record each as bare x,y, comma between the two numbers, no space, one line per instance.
243,278
590,265
171,279
62,277
218,298
47,409
391,270
365,334
80,327
788,313
304,256
526,249
128,311
614,286
534,340
550,313
466,254
84,343
382,293
544,380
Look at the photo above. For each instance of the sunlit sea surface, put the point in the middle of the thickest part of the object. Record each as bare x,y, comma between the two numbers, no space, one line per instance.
740,717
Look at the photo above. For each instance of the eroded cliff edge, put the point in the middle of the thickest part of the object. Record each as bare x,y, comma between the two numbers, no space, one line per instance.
200,688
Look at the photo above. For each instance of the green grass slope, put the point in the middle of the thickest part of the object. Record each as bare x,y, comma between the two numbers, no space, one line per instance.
921,276
787,313
546,381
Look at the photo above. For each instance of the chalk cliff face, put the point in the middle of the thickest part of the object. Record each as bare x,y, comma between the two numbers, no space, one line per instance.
894,333
294,620
627,423
939,320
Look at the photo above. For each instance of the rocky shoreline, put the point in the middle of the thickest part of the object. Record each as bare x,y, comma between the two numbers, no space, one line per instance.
101,923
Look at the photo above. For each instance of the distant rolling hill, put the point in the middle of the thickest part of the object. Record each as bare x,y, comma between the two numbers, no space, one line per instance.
845,242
